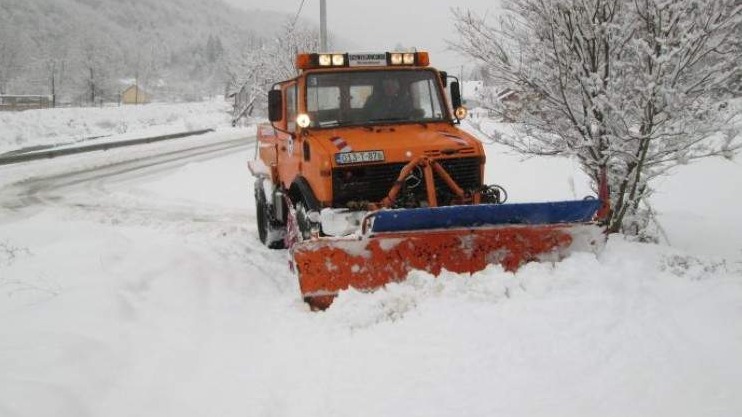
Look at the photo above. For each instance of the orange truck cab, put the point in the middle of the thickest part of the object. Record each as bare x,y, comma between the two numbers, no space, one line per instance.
342,131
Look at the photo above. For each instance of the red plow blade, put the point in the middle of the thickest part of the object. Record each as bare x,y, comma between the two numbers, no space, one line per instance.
326,266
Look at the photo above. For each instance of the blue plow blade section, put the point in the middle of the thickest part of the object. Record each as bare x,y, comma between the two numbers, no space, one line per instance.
577,211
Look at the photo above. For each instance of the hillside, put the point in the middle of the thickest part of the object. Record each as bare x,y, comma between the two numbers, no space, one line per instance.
94,47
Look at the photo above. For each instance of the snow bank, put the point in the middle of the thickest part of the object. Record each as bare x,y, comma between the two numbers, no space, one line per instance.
72,125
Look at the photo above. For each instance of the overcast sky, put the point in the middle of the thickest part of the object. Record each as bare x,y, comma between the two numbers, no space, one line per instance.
380,25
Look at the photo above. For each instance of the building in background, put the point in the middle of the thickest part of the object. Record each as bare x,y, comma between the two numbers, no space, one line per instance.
135,95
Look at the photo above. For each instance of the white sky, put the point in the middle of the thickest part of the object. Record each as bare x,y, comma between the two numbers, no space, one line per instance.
382,24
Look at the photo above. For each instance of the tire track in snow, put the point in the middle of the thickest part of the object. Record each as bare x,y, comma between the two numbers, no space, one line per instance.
48,190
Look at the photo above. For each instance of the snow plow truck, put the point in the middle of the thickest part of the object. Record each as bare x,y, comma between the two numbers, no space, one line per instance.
364,175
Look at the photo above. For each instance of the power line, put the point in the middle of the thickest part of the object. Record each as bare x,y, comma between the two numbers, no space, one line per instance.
298,12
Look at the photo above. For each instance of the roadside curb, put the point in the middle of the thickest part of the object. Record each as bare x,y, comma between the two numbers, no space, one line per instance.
31,156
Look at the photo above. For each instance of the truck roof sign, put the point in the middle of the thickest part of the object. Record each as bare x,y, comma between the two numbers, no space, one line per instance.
367,60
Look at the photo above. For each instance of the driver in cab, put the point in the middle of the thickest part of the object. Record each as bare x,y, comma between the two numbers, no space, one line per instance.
388,102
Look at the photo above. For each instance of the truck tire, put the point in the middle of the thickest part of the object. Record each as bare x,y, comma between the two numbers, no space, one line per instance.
304,203
270,231
302,219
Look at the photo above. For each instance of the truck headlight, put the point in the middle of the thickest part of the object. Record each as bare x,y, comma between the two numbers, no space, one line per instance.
338,60
396,59
461,112
325,60
408,59
303,120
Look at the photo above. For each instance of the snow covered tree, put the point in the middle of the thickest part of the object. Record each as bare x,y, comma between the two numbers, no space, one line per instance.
292,40
214,48
735,85
11,54
53,63
248,76
627,87
96,62
257,65
147,62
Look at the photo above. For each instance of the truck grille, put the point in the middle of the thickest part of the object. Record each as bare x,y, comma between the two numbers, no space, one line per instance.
372,183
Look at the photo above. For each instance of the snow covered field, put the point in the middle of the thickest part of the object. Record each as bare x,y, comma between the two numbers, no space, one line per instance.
79,124
141,289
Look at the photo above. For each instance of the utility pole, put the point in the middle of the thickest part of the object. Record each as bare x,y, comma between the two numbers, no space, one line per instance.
323,25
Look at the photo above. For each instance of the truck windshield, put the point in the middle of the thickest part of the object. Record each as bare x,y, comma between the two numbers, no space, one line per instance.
369,97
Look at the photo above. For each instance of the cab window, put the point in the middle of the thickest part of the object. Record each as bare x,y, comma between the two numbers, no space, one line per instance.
374,96
291,108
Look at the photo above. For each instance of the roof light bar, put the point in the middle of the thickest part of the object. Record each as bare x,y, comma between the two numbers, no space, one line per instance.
309,61
332,60
419,59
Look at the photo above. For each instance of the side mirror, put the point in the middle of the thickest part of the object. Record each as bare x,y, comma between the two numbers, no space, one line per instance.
444,78
275,105
455,95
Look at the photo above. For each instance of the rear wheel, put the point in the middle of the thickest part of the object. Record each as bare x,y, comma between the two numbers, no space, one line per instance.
270,230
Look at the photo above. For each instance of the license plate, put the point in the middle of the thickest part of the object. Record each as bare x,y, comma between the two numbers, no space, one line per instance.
358,157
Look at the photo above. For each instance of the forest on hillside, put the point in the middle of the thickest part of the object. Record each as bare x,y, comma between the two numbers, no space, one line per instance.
89,51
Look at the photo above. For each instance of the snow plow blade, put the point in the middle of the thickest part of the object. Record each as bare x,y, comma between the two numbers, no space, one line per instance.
485,214
461,239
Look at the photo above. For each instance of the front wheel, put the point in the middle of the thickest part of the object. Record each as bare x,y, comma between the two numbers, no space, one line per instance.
270,231
307,220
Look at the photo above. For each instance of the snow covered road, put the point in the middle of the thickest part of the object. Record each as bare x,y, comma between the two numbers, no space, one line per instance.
132,282
56,187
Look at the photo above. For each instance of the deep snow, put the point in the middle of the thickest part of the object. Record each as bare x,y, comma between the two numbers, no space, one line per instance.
149,294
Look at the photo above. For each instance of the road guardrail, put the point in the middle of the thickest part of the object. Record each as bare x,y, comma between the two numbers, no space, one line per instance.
53,153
